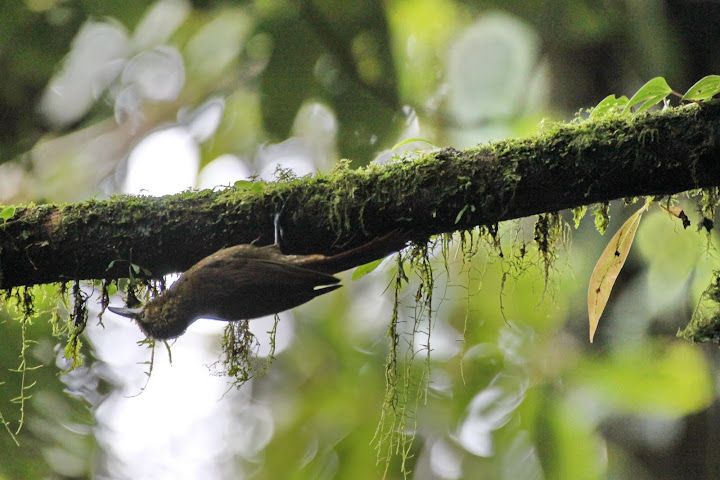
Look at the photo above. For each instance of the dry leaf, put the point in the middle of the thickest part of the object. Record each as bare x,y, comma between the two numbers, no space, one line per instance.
608,268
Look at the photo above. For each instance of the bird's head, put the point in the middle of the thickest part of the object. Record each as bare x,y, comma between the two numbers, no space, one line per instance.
157,319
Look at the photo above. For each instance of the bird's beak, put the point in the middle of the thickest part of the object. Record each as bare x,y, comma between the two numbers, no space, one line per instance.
126,312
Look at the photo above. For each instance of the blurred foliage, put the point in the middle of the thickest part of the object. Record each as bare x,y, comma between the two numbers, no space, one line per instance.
515,389
54,433
36,36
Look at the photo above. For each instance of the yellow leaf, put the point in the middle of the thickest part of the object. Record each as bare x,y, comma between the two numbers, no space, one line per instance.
608,268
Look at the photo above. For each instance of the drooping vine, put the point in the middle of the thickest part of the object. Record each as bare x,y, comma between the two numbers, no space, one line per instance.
406,382
23,302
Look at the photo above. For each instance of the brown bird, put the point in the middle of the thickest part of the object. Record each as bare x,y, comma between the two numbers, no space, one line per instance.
245,282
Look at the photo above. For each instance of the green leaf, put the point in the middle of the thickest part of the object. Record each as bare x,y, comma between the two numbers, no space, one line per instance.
411,140
705,88
136,269
460,214
7,213
363,270
255,187
650,94
112,289
609,105
608,268
651,102
243,184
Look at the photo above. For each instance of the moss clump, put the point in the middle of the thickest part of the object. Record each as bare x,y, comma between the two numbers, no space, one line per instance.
602,217
705,324
240,347
549,232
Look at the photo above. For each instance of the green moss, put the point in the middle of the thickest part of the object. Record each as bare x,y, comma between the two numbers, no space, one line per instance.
705,324
549,233
578,214
602,217
77,322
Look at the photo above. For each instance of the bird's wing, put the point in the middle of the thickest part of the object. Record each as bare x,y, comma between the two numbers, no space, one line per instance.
251,288
271,273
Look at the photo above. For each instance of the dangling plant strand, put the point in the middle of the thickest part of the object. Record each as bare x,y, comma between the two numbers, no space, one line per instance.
26,303
405,386
384,437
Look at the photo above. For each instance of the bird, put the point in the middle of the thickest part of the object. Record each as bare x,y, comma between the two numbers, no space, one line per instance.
245,281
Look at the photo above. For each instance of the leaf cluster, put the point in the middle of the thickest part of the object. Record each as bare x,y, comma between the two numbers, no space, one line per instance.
653,92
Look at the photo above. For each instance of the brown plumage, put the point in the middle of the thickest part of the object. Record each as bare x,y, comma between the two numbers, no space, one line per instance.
245,282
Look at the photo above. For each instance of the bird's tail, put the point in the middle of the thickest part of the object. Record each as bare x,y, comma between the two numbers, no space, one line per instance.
375,249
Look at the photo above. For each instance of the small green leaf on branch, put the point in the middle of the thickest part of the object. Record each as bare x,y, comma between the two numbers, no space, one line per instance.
609,105
7,213
363,270
650,94
704,89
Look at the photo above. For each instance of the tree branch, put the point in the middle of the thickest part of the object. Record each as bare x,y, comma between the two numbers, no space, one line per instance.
566,166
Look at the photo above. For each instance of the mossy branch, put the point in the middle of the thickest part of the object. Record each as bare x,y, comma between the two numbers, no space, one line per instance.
438,191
